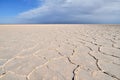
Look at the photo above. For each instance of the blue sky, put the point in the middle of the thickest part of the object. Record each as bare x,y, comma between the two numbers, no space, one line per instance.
14,7
60,11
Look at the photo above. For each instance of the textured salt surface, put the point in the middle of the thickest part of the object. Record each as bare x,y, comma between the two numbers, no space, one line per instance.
60,52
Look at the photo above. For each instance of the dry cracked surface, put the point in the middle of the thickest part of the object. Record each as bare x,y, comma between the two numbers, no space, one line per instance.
60,52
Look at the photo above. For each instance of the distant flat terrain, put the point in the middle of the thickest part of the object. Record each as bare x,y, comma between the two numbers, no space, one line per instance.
60,52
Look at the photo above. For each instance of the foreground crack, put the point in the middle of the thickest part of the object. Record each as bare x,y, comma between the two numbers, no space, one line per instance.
94,58
70,61
74,72
96,61
106,53
99,68
109,74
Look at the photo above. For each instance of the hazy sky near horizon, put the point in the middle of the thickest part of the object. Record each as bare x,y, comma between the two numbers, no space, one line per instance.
60,11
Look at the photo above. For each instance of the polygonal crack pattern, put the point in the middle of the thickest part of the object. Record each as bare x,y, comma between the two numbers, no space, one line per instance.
60,52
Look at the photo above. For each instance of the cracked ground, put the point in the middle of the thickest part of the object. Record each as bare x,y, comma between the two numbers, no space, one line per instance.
60,52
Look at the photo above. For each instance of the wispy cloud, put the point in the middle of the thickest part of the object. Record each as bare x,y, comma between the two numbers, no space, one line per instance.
73,11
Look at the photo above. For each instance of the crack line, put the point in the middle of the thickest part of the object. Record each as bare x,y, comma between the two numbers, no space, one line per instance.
99,49
74,72
109,74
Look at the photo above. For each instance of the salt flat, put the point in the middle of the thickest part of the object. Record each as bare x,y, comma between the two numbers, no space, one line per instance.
60,52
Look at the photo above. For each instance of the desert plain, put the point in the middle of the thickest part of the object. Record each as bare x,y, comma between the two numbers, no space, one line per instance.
60,52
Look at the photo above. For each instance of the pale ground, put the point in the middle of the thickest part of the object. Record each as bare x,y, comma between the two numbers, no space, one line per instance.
60,52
